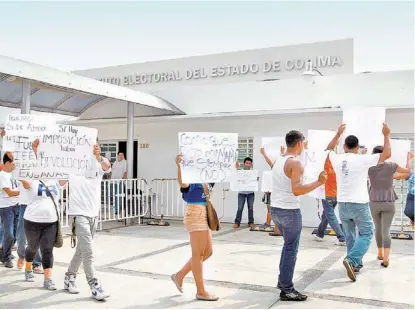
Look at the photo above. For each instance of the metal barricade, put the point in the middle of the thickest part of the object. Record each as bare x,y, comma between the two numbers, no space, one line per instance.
64,204
166,199
401,189
123,199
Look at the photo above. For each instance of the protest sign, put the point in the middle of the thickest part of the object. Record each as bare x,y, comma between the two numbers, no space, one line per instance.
266,184
313,165
400,150
245,181
68,151
29,125
366,124
208,157
318,140
272,146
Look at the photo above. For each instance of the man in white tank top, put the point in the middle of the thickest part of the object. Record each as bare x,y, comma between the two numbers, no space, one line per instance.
287,186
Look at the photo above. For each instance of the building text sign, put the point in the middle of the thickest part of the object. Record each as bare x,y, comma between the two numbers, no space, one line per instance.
223,71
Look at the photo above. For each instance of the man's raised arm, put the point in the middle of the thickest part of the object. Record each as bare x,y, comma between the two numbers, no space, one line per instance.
333,143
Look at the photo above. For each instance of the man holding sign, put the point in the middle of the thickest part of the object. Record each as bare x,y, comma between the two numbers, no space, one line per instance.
351,171
287,186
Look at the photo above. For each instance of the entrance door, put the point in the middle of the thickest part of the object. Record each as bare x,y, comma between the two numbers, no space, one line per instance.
122,147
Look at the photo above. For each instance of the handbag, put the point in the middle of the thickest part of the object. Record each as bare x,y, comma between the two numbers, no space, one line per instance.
59,237
212,216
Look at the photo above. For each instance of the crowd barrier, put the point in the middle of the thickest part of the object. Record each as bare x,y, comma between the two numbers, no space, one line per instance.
401,189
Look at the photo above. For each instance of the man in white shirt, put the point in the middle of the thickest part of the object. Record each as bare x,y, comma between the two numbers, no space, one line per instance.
9,208
118,172
351,170
287,186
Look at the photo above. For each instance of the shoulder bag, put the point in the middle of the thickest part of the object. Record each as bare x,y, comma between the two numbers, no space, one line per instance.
212,216
59,236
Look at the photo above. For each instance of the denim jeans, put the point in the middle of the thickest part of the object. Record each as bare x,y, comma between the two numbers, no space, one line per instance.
21,238
409,208
118,189
10,218
329,217
290,225
357,215
241,203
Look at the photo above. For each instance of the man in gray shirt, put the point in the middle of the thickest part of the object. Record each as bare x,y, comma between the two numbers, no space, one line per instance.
249,197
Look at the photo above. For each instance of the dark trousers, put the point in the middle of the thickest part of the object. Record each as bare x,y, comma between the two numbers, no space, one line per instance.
409,208
329,217
290,225
41,235
10,218
249,198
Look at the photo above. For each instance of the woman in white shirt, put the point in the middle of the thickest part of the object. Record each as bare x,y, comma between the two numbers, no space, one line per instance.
41,227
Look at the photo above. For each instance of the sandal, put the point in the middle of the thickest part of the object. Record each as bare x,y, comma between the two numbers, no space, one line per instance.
174,279
209,298
385,264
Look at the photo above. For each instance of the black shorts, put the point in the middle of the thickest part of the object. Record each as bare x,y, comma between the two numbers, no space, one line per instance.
267,199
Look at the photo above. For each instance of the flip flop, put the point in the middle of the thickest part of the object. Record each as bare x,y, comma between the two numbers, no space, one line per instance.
273,234
174,279
209,298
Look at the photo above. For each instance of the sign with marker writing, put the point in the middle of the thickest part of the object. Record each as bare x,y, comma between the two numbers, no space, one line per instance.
208,157
313,165
366,124
266,184
69,150
29,125
272,146
400,150
245,181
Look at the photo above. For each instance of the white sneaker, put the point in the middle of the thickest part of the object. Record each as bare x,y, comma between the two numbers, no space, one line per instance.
70,285
98,292
340,243
318,239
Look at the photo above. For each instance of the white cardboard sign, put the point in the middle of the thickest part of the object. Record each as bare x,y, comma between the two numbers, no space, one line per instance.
313,165
208,157
400,150
245,180
266,184
272,146
29,125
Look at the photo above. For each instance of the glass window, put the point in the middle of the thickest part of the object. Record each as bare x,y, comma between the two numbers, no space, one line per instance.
109,150
245,149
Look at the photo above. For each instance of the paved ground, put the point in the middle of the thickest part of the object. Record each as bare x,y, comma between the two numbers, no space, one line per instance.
135,263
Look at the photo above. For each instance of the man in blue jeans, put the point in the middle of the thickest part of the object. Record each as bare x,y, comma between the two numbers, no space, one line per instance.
329,217
287,176
249,197
351,170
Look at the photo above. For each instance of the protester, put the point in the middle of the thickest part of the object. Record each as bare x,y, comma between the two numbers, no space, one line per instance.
329,204
409,208
24,200
351,171
196,224
267,201
41,227
118,172
9,208
247,196
382,202
85,204
287,175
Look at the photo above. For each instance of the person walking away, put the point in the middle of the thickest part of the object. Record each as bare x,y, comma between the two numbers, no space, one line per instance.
287,186
119,173
249,197
84,207
195,221
9,208
267,201
24,200
382,202
41,227
329,204
351,170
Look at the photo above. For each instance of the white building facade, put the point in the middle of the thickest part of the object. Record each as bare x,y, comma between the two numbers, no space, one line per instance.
257,93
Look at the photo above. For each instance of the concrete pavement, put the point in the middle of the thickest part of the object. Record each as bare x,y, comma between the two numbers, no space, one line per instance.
134,264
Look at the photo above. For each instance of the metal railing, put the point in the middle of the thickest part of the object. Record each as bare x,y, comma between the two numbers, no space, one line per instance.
166,199
401,189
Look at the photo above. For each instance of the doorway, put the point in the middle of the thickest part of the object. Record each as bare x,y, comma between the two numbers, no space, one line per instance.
122,147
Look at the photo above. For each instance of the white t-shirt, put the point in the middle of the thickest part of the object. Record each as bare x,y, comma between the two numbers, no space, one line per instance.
352,174
41,208
118,169
85,194
23,196
7,182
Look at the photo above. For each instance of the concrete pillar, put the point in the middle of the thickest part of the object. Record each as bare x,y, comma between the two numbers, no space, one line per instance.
130,140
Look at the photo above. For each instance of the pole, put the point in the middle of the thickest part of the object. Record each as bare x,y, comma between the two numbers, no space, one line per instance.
26,89
130,141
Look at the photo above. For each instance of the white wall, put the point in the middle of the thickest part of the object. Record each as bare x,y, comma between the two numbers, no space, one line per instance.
158,160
